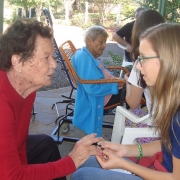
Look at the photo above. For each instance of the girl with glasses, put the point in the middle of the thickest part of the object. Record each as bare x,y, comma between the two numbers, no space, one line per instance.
165,90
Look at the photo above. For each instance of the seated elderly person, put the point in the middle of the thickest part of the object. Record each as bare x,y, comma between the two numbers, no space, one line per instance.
91,98
27,64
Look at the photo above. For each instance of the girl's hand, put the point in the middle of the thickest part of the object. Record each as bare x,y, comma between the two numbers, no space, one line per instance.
109,160
116,148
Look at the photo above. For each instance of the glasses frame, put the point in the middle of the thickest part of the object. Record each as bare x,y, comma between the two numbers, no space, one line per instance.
141,59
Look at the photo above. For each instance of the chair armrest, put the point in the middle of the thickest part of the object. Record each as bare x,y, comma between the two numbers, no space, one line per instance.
130,134
119,123
100,81
126,113
118,67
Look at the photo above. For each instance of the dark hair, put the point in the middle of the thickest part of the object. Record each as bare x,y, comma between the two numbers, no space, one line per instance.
19,38
139,10
147,19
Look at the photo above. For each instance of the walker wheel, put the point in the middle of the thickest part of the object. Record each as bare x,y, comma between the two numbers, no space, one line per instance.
65,128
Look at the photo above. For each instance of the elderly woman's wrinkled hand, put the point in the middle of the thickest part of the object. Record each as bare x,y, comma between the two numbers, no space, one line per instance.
84,148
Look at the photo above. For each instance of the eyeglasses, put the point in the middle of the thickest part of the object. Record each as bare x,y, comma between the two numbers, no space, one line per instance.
141,59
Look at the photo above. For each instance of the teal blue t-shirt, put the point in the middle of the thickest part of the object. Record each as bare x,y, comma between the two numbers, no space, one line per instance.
174,132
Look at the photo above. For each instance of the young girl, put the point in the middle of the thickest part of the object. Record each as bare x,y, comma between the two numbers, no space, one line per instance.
159,63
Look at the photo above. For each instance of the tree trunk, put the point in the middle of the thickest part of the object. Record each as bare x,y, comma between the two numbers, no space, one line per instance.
38,12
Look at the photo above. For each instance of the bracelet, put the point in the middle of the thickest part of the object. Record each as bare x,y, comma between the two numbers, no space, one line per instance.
140,151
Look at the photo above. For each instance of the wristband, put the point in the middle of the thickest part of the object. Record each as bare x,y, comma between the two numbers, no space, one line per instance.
140,151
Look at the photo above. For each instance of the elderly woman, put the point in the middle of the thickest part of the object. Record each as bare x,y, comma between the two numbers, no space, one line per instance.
27,64
91,98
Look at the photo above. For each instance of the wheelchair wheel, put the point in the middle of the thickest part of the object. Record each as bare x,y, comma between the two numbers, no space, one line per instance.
65,128
33,117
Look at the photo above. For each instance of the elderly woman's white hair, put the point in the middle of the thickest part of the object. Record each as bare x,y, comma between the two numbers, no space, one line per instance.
94,32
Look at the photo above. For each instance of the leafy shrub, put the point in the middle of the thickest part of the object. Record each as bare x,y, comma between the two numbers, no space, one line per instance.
117,58
117,61
78,20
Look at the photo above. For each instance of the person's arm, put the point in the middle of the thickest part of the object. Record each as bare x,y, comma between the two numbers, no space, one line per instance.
133,94
122,41
87,68
119,39
84,148
108,75
114,162
110,160
14,123
132,150
176,167
133,90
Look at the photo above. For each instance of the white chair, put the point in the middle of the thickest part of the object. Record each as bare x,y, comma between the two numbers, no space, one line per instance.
126,135
124,63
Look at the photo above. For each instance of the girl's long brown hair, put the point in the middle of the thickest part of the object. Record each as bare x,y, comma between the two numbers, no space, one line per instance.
165,41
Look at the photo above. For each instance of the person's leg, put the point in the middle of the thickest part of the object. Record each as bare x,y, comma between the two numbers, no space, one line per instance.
91,162
128,57
89,173
42,149
115,98
91,169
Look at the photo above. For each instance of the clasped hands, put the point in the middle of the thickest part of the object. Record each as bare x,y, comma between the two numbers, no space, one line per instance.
108,154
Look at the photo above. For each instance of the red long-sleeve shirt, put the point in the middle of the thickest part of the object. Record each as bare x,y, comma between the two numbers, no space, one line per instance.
15,113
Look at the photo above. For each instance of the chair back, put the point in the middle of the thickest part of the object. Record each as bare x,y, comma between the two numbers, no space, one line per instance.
48,17
68,49
58,56
74,75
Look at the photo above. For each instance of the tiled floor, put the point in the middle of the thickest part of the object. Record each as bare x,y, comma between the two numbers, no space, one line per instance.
44,121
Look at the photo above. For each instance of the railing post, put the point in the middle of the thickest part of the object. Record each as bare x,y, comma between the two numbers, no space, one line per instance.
1,15
66,12
118,15
86,13
162,7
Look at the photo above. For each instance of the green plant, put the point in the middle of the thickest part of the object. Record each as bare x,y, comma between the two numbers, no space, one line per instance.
117,61
14,16
117,58
78,20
